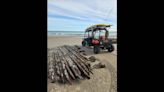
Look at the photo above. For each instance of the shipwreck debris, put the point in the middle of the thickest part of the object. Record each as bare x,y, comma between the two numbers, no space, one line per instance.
66,63
92,59
97,65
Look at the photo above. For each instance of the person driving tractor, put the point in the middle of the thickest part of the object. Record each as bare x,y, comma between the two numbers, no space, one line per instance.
106,34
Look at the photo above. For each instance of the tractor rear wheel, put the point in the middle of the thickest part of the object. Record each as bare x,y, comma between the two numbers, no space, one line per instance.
96,49
111,48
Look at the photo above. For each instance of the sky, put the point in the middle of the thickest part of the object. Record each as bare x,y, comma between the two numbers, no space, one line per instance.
77,15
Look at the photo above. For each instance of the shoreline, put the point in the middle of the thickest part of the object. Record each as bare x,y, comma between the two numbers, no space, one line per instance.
49,36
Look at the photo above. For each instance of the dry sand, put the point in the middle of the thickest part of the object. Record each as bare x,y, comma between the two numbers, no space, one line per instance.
103,80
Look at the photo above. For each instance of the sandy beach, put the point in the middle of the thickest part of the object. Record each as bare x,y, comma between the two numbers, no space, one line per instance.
102,80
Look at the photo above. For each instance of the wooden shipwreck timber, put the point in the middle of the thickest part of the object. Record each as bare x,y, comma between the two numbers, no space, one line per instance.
67,63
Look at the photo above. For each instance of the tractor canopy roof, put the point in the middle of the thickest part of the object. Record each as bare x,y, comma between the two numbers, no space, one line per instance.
102,26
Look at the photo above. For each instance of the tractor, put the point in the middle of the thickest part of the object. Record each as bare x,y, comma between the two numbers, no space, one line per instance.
98,37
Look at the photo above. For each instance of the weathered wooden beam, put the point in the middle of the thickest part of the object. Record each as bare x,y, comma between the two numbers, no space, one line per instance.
66,63
79,58
78,62
72,65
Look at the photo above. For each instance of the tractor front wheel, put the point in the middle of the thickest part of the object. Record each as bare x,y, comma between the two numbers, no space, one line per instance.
96,49
83,43
111,48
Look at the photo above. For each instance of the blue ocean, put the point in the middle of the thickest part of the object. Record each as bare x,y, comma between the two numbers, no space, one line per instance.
75,33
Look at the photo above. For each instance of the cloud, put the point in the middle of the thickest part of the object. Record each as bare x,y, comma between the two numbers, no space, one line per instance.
76,13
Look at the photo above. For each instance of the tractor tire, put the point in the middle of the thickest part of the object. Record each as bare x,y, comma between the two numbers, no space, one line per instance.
96,49
84,43
111,48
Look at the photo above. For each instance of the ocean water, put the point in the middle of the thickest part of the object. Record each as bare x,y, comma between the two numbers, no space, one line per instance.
75,33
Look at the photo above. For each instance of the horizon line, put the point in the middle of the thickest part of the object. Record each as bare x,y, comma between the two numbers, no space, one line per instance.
67,30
